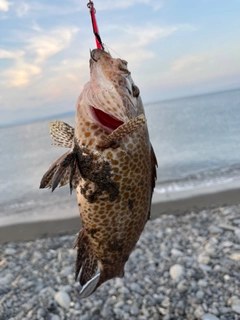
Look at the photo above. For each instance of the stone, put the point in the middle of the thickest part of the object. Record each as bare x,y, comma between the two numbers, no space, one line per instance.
227,227
200,294
217,267
135,287
175,252
237,232
4,281
214,229
55,317
10,252
52,305
202,283
183,286
176,271
134,310
227,244
209,316
37,255
235,256
63,299
163,311
205,267
119,304
203,258
47,291
166,302
211,249
226,277
233,300
41,313
199,312
106,313
236,308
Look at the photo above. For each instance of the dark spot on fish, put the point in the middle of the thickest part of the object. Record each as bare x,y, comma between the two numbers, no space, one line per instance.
79,204
130,204
120,83
97,172
115,245
109,144
92,232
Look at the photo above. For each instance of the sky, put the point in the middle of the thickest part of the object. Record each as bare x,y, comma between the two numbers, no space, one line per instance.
174,48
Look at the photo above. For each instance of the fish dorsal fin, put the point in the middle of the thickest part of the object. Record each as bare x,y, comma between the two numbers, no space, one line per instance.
62,133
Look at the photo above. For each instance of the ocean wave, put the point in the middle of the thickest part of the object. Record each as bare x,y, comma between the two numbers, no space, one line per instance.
200,179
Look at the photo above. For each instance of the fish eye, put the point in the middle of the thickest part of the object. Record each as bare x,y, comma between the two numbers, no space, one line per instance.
135,91
125,62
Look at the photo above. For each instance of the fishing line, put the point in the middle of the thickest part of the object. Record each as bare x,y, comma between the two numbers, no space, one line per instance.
98,40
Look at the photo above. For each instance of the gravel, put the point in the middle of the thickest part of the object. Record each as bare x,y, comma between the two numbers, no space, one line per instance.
183,267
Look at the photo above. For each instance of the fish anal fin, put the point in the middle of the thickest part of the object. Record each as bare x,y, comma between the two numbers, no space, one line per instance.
114,139
62,133
87,269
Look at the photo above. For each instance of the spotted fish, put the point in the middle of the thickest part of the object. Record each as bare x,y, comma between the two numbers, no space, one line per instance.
112,166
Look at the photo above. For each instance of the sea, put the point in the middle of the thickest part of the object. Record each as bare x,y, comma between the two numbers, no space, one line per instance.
196,141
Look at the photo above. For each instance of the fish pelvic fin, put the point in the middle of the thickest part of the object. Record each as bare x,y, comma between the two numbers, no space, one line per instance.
114,139
87,270
64,170
62,133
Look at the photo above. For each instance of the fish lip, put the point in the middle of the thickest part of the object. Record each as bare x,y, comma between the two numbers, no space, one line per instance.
105,120
96,54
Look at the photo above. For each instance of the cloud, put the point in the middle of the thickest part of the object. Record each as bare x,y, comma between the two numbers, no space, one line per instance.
134,43
22,9
6,54
148,34
28,63
189,62
48,44
18,75
21,74
4,5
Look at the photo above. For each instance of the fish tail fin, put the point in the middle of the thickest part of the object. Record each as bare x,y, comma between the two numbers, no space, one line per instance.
87,266
62,171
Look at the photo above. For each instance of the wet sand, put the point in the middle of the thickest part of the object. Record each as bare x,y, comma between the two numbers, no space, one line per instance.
65,220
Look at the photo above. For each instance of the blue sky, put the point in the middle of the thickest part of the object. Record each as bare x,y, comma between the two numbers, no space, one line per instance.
173,47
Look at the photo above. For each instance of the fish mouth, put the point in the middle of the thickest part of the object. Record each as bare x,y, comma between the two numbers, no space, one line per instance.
105,120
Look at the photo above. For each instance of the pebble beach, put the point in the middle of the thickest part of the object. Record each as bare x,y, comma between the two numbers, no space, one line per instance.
183,267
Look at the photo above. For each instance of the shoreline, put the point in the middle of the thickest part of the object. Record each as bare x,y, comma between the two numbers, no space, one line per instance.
25,227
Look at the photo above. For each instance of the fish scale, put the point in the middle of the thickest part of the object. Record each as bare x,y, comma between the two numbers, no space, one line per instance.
112,165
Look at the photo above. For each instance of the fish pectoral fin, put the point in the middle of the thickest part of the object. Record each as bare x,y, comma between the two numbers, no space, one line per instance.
62,133
87,270
114,139
62,171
